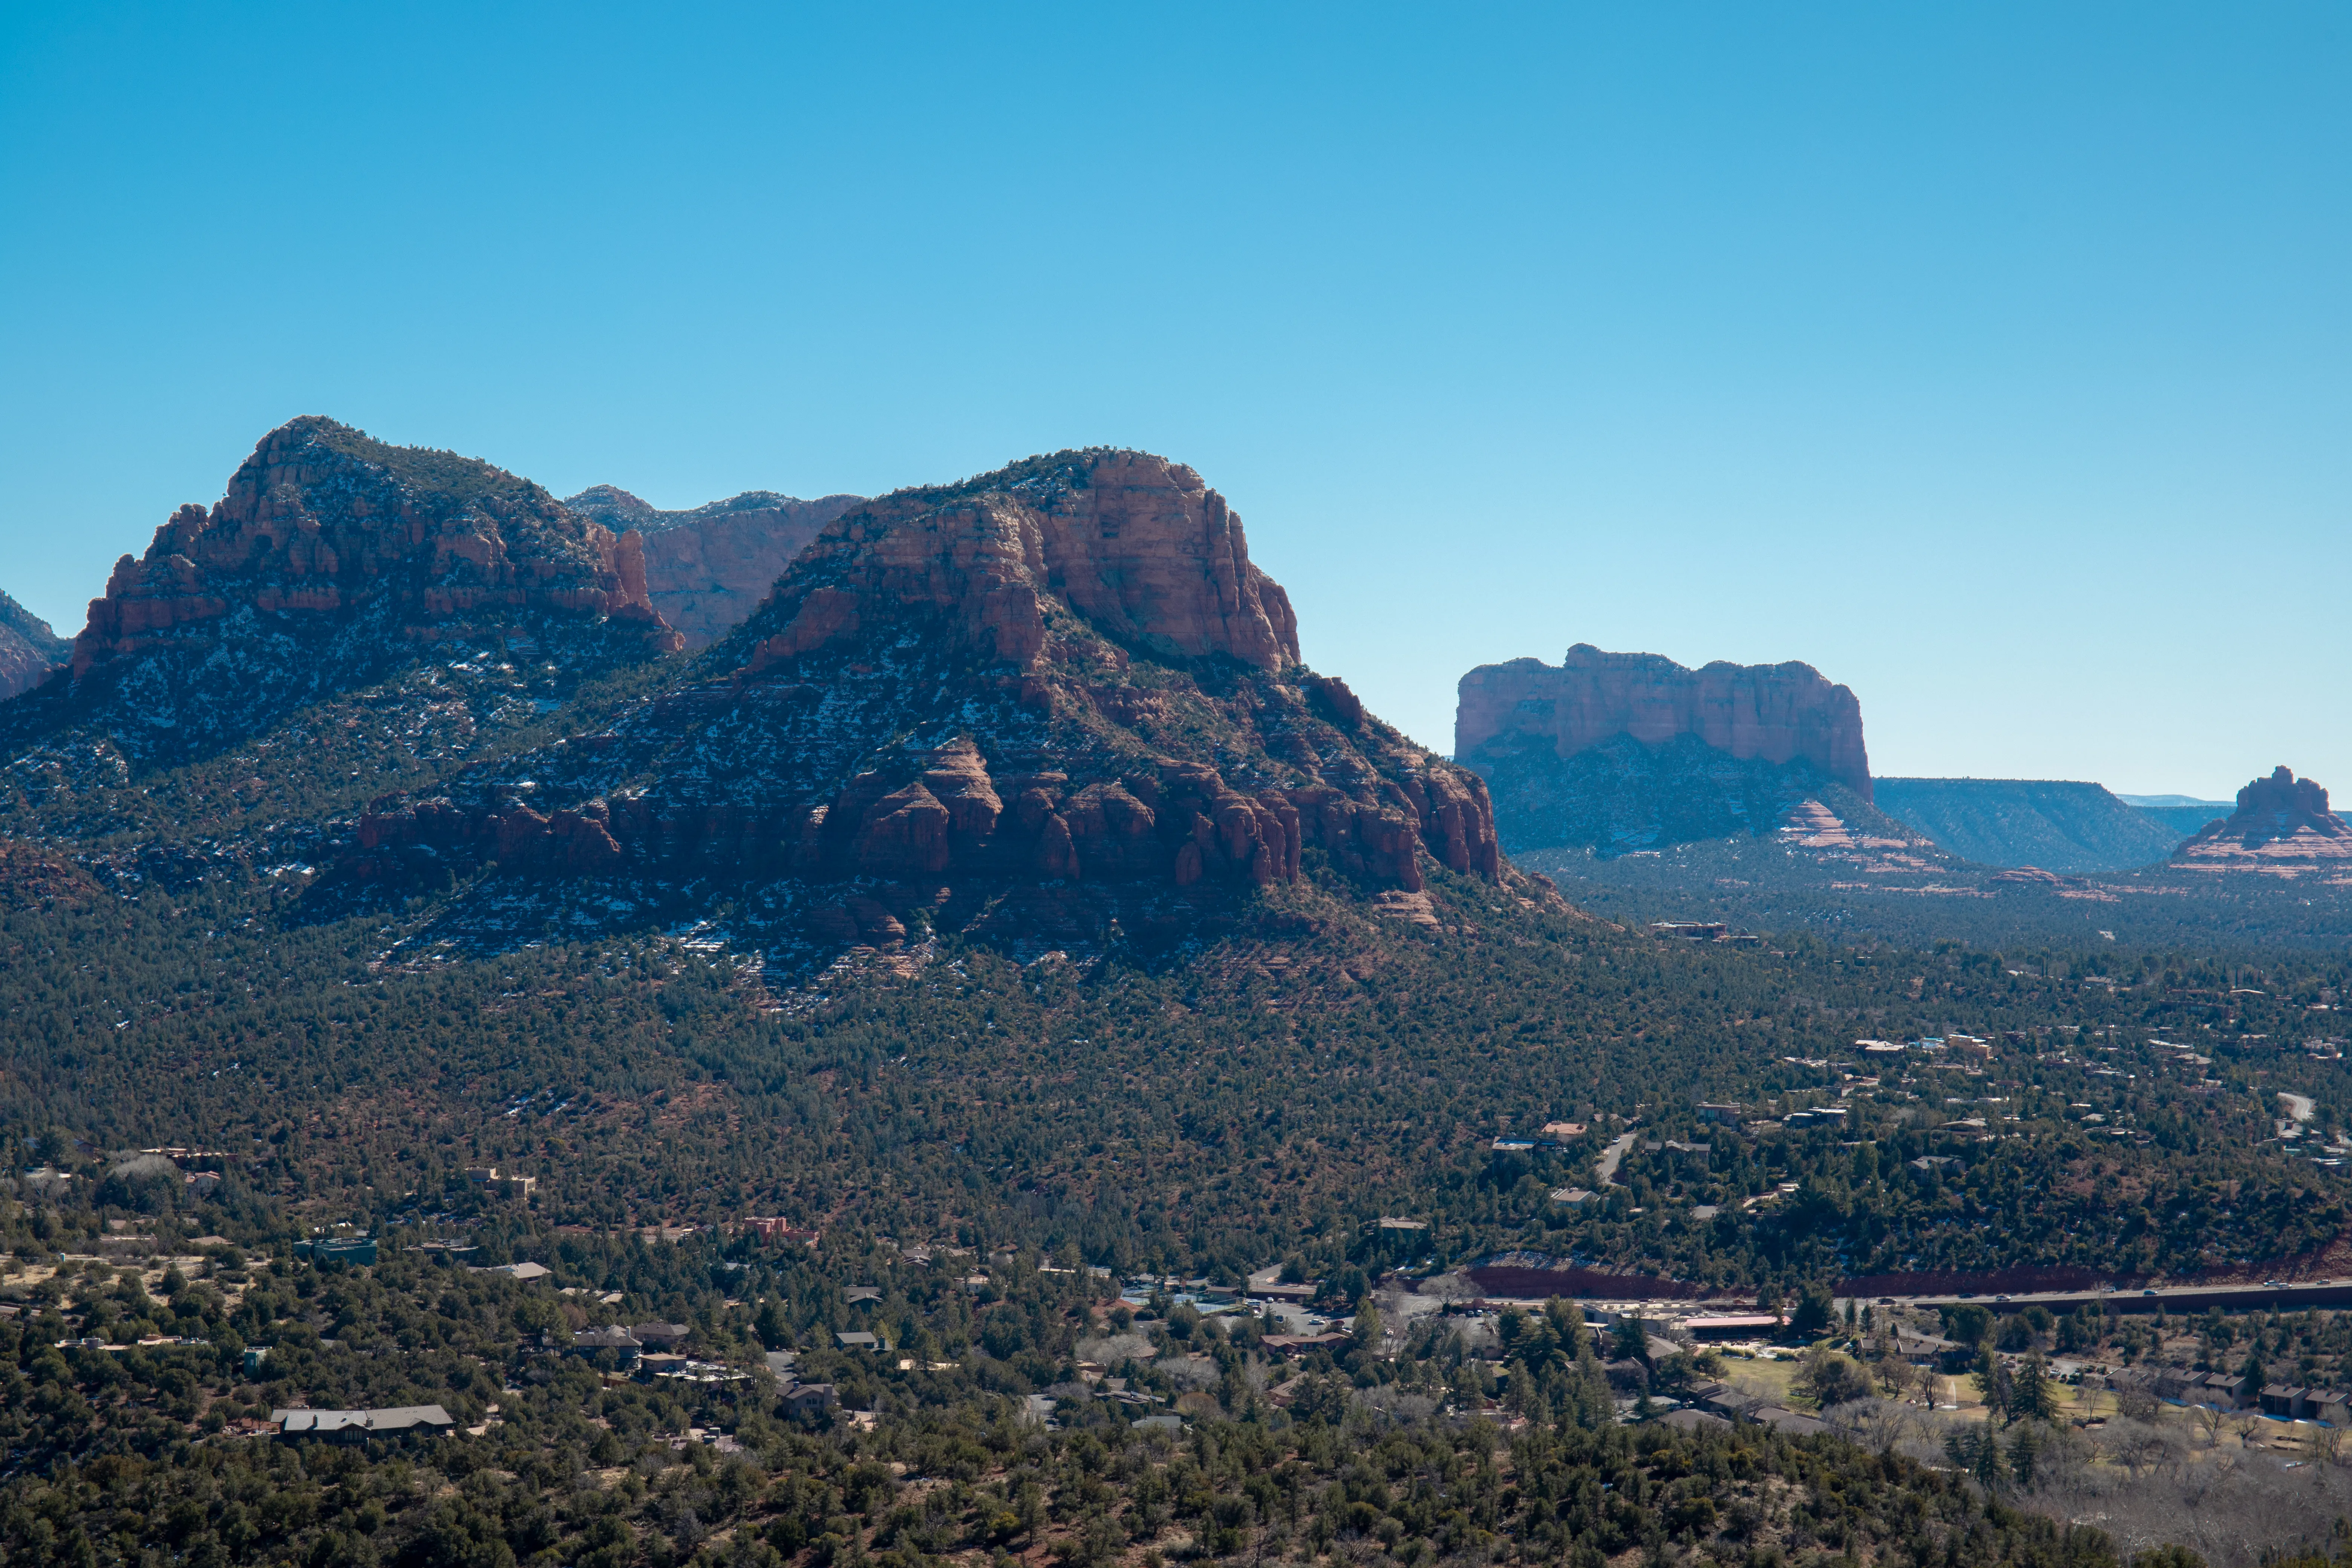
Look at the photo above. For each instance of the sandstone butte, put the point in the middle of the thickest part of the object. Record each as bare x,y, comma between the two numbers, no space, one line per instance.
323,524
1776,712
708,569
30,651
1055,699
2282,828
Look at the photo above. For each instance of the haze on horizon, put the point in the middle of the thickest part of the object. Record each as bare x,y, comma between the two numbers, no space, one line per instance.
1995,363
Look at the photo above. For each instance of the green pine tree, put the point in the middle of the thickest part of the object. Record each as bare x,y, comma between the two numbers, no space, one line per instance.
2031,1396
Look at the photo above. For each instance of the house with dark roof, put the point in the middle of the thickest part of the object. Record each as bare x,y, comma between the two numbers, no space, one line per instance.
359,1425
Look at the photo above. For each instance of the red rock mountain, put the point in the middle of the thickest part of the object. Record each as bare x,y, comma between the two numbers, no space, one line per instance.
1776,713
331,558
1057,700
322,521
2282,828
708,569
30,651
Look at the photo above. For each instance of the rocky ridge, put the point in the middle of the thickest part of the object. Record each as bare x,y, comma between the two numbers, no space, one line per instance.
709,568
1055,701
2058,826
30,650
331,558
2282,828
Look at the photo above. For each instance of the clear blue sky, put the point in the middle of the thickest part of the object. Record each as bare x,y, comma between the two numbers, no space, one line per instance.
1994,359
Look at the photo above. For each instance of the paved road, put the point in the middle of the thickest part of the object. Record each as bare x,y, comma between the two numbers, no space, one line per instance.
2298,1108
1609,1158
2287,1295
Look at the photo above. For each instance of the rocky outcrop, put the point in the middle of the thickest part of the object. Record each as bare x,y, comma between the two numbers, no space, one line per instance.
708,569
30,651
323,521
2282,828
1779,713
1057,701
331,561
1136,546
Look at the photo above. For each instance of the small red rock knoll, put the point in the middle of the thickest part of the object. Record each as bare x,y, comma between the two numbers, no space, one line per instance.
2282,828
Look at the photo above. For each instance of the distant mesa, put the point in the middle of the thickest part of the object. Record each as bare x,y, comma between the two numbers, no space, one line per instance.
2182,814
1778,713
1622,751
30,652
2056,826
709,568
2282,828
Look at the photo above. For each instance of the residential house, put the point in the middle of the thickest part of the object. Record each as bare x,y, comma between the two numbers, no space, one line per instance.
1692,1421
1788,1423
1295,1345
612,1337
773,1229
1730,1325
1728,1115
808,1398
668,1336
859,1339
359,1249
515,1188
2282,1399
2227,1390
359,1425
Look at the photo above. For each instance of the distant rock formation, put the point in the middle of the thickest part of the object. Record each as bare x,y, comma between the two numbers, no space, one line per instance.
709,568
1778,713
2282,828
2179,814
2054,824
332,557
1057,701
1627,752
30,651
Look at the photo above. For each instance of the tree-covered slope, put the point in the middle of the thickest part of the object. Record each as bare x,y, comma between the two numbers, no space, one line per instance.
2056,824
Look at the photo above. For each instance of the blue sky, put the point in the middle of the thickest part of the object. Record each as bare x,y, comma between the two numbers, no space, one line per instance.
1993,359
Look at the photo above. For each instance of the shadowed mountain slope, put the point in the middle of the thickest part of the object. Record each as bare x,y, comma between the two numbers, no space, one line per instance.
2056,824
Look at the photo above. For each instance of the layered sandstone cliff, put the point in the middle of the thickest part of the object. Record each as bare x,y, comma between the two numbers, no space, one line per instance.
331,560
1135,547
709,568
321,523
1776,713
30,651
2282,828
1058,701
1623,753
